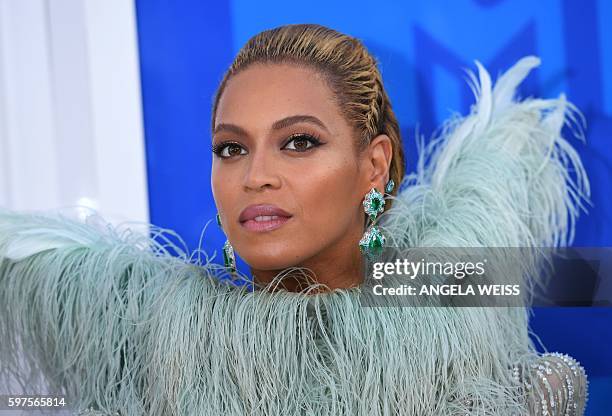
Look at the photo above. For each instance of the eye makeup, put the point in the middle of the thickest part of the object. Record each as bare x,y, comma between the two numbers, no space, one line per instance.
298,142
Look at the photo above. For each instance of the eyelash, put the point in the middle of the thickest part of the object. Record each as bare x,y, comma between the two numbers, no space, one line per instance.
314,140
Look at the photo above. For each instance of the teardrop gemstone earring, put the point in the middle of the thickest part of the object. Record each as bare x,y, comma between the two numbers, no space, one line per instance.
373,240
389,187
229,258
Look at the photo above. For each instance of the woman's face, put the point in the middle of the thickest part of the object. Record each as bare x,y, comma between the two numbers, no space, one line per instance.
287,178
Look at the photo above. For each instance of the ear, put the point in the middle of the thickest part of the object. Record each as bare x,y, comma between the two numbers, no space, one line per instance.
378,157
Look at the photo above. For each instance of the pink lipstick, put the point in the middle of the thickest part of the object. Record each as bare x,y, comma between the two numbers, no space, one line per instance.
263,217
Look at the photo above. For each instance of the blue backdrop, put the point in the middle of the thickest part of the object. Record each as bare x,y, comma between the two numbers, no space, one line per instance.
423,48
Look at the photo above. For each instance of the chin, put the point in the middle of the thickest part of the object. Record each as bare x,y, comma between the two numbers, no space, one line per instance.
269,262
270,258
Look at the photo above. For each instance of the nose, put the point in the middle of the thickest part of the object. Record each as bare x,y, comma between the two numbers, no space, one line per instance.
261,172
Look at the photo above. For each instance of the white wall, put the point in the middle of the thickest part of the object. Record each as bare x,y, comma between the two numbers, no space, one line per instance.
70,107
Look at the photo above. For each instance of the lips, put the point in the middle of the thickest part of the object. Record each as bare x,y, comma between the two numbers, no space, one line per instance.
263,217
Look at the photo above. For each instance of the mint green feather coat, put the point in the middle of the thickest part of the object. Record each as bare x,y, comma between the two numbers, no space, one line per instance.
111,319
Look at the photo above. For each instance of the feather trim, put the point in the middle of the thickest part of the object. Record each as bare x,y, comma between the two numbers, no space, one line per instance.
116,322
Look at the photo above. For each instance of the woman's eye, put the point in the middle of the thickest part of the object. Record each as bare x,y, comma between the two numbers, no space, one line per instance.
228,150
301,143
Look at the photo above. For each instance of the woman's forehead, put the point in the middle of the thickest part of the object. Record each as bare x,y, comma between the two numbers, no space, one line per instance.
265,93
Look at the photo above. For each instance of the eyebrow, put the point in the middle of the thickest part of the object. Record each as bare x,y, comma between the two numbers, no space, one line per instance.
277,125
288,121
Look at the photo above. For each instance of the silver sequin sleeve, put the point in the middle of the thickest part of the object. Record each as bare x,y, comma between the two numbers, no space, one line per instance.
554,385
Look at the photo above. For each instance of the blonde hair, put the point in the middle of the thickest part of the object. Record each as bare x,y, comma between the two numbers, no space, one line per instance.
349,69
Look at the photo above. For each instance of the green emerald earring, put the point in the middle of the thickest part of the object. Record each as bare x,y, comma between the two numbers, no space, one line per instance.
229,258
372,242
373,203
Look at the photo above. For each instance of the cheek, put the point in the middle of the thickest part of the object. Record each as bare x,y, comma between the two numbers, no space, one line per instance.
328,195
223,187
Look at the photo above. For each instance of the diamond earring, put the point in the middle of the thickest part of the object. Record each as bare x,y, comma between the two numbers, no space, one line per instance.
373,203
373,240
229,258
